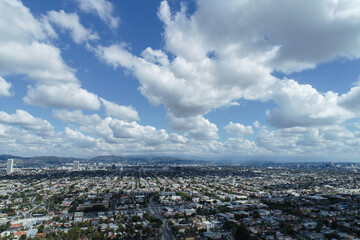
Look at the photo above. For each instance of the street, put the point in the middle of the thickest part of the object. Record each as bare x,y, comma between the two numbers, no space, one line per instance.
165,229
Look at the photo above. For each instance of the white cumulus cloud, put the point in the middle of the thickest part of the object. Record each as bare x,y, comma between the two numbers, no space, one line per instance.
303,105
26,121
4,88
76,116
104,9
25,49
238,129
63,96
71,22
127,113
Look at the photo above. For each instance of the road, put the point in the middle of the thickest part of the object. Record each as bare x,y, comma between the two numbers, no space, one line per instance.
30,212
113,203
165,229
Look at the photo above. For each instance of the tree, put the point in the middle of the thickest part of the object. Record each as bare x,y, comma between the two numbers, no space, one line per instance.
73,206
332,236
97,236
242,233
228,225
74,233
256,214
41,228
38,199
121,228
156,222
4,227
96,208
135,218
146,232
138,226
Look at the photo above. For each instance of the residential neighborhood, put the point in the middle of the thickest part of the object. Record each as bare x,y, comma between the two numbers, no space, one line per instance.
181,202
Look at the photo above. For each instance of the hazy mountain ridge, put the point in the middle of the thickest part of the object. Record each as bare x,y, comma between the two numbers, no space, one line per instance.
144,160
108,159
5,157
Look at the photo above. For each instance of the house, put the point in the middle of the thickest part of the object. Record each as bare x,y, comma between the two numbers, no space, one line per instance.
31,233
310,225
16,227
175,198
19,234
78,217
208,225
41,235
5,234
264,212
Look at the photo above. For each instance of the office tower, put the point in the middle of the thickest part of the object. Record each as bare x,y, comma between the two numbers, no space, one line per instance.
76,166
10,166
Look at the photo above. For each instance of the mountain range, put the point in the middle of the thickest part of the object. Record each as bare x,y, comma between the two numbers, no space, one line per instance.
107,159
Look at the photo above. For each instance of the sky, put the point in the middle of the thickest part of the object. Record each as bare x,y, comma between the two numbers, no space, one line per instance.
205,79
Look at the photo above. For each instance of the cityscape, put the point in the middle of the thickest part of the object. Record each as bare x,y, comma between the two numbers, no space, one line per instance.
185,201
180,119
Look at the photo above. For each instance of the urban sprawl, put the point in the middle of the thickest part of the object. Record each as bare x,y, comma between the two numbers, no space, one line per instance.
118,201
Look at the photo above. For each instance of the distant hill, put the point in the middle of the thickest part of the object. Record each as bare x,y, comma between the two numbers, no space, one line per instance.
155,160
5,157
53,160
38,160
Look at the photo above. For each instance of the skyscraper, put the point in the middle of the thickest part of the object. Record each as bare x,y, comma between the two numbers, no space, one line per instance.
9,166
76,166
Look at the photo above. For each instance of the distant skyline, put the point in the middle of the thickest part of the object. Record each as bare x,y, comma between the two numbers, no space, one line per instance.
204,78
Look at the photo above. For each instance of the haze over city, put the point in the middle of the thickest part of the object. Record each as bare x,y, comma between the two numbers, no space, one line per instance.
197,79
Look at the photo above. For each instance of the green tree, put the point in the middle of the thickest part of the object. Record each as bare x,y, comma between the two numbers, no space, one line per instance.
74,233
120,228
97,236
4,227
138,226
242,233
256,214
135,218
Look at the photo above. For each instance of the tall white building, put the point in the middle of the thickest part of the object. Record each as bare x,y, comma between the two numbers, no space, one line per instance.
10,166
76,166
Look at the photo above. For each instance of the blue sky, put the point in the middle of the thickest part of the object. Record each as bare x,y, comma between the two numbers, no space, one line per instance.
200,79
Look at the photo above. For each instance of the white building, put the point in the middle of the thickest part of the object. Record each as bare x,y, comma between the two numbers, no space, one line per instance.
10,166
78,217
76,166
31,233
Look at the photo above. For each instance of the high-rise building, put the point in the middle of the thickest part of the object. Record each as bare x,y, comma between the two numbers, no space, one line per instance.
76,166
10,166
